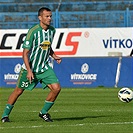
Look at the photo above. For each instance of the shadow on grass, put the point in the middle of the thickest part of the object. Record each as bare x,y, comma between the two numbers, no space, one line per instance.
69,118
78,118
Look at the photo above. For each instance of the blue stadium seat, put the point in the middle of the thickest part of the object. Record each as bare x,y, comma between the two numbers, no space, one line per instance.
91,13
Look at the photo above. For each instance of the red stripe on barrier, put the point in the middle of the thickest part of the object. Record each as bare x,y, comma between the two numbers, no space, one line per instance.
10,54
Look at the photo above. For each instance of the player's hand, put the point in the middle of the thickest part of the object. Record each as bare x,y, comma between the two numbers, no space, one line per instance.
30,76
58,59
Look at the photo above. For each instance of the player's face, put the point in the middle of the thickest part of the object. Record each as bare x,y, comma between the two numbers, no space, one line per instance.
45,18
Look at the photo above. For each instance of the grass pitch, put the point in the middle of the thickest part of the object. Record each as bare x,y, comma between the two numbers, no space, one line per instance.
80,110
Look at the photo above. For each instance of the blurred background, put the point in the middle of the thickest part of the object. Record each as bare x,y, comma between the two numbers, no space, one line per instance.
22,14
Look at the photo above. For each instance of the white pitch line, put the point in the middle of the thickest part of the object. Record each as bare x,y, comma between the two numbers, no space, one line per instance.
19,127
113,123
82,124
110,123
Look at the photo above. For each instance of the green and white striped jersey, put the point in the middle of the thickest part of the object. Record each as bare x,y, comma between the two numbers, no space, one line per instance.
38,41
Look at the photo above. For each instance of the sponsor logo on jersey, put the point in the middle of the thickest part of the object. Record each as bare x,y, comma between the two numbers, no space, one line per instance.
45,45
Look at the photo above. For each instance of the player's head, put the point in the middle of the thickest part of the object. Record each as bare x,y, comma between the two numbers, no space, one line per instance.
45,16
40,11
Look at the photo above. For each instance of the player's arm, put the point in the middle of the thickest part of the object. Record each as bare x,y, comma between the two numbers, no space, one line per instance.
57,58
27,44
30,75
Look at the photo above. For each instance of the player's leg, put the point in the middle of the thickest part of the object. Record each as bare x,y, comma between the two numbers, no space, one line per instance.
22,84
14,95
10,104
50,80
54,91
49,102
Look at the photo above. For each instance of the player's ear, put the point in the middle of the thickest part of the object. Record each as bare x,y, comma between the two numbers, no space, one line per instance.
40,18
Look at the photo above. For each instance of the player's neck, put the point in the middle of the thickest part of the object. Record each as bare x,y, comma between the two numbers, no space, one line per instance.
45,27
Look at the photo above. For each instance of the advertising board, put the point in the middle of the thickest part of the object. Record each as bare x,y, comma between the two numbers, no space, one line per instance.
74,42
77,72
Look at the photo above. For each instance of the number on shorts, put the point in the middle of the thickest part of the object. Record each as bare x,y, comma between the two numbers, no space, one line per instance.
24,84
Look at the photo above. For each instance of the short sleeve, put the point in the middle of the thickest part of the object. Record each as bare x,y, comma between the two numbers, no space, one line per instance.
28,42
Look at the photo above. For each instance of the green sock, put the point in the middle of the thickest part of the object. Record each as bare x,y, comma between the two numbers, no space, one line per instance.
7,110
46,107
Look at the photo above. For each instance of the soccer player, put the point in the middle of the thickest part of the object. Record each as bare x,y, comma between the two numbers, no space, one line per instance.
36,52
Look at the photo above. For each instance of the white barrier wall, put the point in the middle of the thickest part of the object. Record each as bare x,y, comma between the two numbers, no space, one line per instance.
74,42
